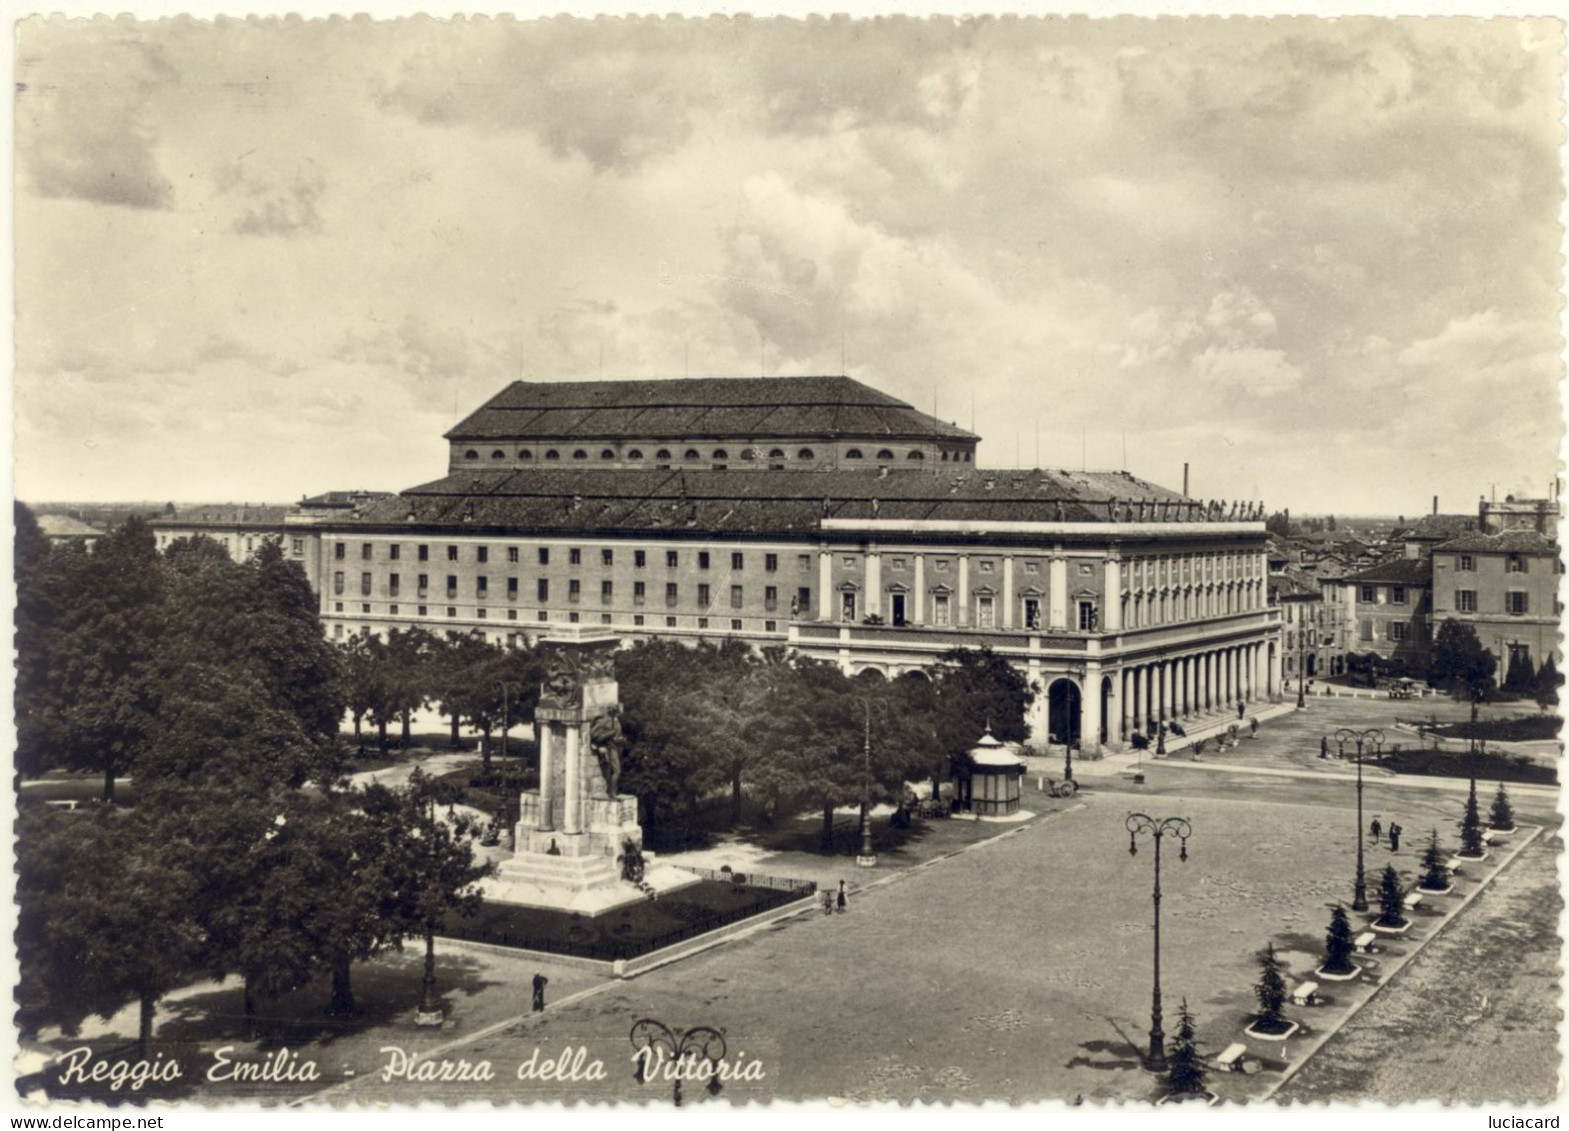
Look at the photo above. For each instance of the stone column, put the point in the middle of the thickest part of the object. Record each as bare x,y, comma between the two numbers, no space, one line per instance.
1203,682
825,585
874,584
964,589
1057,593
547,793
920,590
1007,591
1112,622
1114,711
571,818
1166,707
1089,708
1136,713
1125,699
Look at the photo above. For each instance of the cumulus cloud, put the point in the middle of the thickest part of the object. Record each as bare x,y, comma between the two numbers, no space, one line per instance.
275,202
81,130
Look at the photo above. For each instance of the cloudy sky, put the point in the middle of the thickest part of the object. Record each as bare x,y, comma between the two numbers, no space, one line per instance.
1317,260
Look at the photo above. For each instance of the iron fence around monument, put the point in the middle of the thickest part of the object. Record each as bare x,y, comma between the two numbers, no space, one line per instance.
752,879
770,895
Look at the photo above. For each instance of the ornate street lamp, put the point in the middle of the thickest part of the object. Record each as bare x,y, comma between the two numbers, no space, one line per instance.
506,718
653,1042
868,856
1142,824
1343,736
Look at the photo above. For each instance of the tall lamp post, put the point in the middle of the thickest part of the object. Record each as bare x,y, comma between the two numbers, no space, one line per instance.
429,1013
1141,824
506,766
1343,736
868,855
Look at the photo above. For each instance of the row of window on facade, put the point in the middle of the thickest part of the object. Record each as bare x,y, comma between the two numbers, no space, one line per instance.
1514,563
607,556
574,590
638,621
717,455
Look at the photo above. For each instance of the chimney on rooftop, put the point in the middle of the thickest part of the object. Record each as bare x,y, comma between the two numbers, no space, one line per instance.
1184,478
1435,504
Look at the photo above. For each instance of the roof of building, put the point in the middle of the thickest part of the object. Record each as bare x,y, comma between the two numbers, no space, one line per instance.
726,502
328,500
1398,571
1437,527
708,407
1293,583
227,514
1504,542
990,751
64,526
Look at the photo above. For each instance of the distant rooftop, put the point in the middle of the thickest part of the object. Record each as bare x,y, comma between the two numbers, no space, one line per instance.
1504,542
1398,571
64,526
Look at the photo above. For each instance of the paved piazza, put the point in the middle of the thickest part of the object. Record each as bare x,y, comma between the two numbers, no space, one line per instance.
1017,968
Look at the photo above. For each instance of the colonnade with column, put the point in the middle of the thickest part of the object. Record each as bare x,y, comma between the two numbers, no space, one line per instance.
1185,684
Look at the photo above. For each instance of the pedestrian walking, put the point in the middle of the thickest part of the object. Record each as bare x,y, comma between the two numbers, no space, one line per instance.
539,992
1241,708
1394,837
1323,747
828,903
841,897
1377,830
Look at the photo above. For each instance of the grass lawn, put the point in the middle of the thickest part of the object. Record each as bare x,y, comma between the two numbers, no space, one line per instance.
627,931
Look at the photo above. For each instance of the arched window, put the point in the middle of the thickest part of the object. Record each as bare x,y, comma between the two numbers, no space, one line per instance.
720,453
525,454
471,454
580,454
916,455
967,457
885,454
552,454
805,453
945,457
662,453
691,453
607,454
498,454
776,453
635,453
853,453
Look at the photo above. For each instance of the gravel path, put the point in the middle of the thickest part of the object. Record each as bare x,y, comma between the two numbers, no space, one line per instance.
1475,1016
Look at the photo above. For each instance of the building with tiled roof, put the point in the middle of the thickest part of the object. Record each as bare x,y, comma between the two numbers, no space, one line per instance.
1124,602
728,423
63,529
1393,606
1505,586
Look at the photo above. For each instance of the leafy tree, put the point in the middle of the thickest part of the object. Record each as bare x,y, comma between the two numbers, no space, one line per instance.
1459,663
456,674
1471,826
1270,990
1503,814
1279,523
36,620
101,701
104,920
1435,873
1338,943
1391,899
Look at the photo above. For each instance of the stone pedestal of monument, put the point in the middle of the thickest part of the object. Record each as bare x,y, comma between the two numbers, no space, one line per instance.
573,832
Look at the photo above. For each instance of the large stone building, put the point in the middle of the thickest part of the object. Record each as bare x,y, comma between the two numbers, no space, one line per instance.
1505,586
865,536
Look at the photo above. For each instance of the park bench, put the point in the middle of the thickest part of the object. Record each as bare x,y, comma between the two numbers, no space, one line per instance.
1234,1059
1305,994
1455,864
1487,836
1413,901
1364,942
